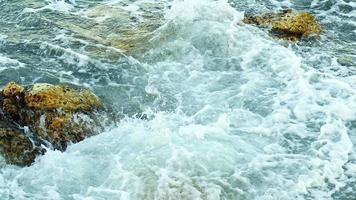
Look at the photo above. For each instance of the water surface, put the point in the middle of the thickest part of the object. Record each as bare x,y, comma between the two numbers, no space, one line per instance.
233,113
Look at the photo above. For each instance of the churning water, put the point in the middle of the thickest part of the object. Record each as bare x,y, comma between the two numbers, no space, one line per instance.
232,113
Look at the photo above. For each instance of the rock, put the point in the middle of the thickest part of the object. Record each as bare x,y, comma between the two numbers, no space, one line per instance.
55,114
104,12
287,24
115,27
12,89
46,96
60,128
12,94
17,148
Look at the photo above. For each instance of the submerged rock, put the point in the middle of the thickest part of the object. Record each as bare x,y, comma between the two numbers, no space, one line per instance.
134,32
287,24
114,26
55,114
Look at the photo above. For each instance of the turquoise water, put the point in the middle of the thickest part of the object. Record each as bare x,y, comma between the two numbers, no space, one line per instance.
232,112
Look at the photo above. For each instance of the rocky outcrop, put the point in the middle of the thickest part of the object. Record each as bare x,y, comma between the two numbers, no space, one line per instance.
56,115
287,24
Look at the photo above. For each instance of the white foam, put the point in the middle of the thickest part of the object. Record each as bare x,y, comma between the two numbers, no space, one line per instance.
237,116
6,63
57,5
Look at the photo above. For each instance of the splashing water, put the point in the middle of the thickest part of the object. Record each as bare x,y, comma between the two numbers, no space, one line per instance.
232,113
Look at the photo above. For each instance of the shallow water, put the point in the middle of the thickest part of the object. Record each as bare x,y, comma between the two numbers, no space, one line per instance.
232,112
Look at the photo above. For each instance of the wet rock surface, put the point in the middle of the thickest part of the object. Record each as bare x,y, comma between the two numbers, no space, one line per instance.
55,115
287,24
17,148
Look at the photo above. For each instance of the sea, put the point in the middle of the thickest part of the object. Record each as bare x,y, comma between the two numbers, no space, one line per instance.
210,108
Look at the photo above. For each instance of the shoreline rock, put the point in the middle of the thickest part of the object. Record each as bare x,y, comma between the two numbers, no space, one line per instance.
287,24
56,115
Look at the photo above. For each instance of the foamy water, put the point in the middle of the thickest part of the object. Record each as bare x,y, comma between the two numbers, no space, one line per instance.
232,113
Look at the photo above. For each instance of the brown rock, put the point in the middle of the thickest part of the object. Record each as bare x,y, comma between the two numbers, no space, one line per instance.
60,128
288,24
56,115
12,89
16,148
12,95
9,106
46,96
